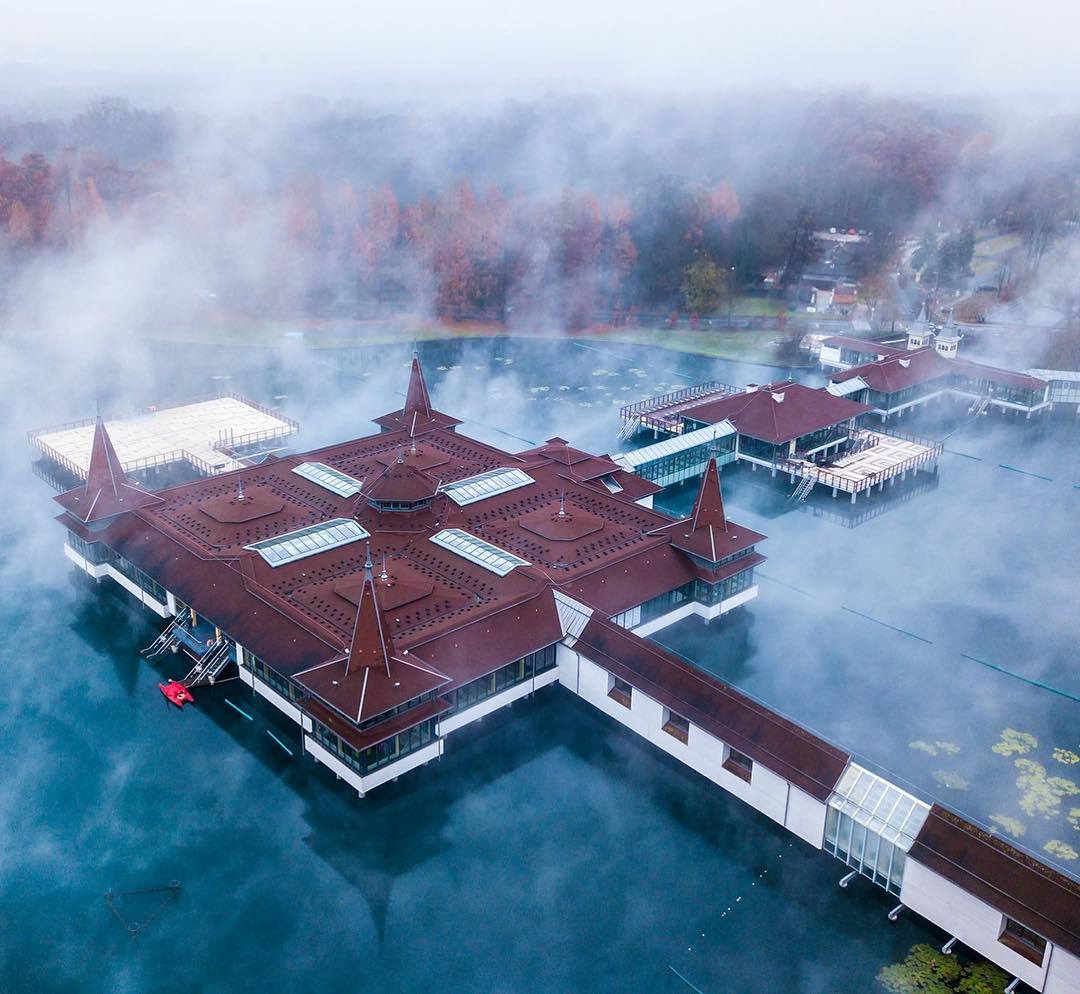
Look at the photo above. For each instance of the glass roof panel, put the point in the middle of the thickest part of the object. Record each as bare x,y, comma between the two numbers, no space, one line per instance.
483,485
329,478
477,551
669,446
308,541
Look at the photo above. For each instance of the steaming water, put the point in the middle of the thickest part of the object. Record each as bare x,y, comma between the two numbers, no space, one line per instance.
549,850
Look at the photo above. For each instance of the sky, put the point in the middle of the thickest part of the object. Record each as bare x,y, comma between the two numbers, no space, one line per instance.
953,47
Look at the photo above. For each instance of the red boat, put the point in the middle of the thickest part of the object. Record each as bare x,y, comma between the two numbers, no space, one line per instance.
176,693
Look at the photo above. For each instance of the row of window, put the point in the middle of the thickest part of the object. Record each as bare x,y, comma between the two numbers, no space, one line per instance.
365,761
98,553
1001,391
700,591
507,676
269,676
823,436
680,466
735,762
876,858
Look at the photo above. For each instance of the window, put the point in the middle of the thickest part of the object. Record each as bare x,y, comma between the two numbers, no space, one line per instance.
1022,940
329,478
620,690
871,824
305,542
491,484
676,725
477,551
739,763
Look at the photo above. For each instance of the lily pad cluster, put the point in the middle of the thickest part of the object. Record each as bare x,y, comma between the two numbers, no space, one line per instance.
926,970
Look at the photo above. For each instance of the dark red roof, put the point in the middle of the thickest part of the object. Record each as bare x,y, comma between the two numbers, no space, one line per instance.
811,764
442,616
778,412
900,371
417,400
107,491
417,416
403,482
628,582
978,371
1014,883
862,345
379,732
707,533
911,368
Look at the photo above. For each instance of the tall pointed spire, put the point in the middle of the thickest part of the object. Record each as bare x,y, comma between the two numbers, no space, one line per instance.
709,506
371,645
417,416
417,401
107,491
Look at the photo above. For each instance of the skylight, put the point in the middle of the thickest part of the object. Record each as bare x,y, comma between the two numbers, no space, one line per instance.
477,551
329,478
304,542
483,485
884,808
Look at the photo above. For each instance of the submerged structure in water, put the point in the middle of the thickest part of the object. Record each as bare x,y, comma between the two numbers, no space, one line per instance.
387,591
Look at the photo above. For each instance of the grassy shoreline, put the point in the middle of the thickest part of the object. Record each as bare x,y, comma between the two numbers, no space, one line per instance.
758,346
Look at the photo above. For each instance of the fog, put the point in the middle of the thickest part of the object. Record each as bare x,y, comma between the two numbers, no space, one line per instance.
217,191
331,46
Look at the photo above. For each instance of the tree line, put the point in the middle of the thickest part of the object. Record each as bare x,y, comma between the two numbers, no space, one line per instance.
337,217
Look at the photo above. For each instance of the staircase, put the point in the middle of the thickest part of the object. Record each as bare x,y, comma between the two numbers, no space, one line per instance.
166,640
209,668
630,426
802,491
980,405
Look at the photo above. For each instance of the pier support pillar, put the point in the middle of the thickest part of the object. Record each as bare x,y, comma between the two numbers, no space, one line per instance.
853,496
834,491
881,486
792,477
773,474
892,481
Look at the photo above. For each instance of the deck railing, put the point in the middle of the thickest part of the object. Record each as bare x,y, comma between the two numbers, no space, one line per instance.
658,403
230,443
288,427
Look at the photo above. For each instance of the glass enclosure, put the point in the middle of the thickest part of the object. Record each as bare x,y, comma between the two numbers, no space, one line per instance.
871,824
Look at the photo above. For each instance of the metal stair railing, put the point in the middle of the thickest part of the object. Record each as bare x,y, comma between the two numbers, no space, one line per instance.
209,668
802,491
630,426
166,639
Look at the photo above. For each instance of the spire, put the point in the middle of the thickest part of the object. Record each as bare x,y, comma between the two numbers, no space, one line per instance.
709,506
417,401
371,646
107,491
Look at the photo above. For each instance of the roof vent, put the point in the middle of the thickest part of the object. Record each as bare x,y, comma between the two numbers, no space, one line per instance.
778,397
751,387
905,363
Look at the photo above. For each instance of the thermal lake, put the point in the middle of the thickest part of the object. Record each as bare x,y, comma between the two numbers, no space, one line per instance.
549,849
